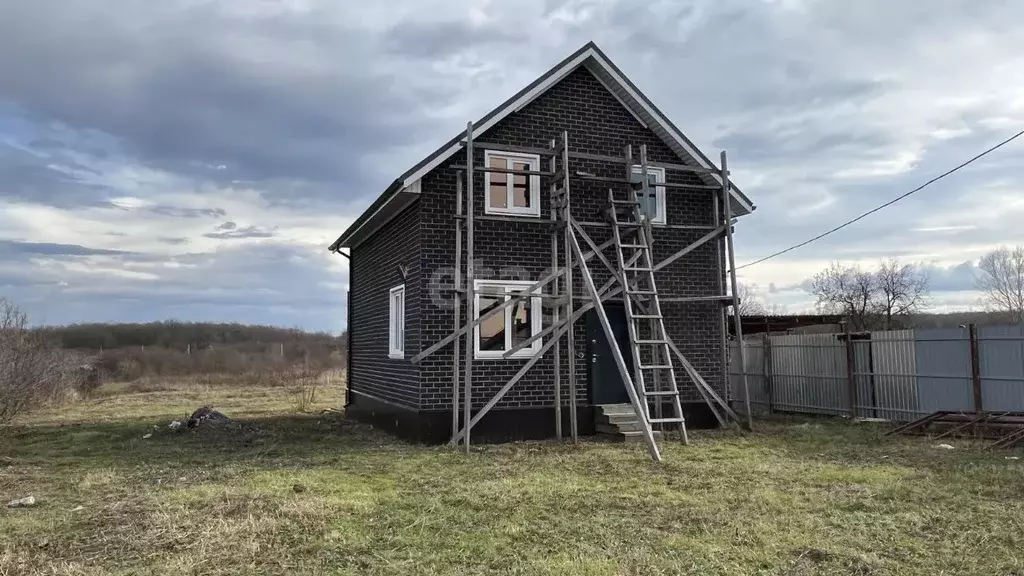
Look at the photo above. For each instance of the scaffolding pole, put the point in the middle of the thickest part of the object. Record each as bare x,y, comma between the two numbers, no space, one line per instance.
457,304
731,249
554,289
567,256
470,286
569,289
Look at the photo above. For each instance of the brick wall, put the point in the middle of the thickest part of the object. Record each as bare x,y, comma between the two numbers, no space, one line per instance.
597,123
375,270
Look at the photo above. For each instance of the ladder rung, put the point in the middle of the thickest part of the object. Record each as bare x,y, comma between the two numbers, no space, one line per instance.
655,366
646,316
642,292
638,269
637,246
662,393
665,420
652,342
629,202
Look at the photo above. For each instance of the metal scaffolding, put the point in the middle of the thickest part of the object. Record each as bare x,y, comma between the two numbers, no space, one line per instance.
633,269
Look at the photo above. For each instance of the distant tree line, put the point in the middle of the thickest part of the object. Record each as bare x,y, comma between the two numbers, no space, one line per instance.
128,352
182,335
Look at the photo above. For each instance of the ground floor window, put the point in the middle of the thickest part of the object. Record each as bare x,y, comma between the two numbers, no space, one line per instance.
512,326
396,325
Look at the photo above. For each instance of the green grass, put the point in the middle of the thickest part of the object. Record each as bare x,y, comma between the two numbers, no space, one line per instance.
797,497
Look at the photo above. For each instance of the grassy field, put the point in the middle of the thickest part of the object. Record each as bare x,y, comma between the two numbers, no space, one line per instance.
797,497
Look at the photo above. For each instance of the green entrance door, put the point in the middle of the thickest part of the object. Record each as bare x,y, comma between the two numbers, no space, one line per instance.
606,385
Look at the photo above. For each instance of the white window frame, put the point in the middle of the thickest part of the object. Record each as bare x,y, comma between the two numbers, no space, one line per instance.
659,191
396,341
535,320
533,185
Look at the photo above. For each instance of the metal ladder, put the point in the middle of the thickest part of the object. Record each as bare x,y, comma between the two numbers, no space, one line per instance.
637,278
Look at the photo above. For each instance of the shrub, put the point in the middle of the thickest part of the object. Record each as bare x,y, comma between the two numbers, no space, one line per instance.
31,371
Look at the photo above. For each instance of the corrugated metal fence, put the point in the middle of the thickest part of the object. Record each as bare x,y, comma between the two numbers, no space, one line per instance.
895,375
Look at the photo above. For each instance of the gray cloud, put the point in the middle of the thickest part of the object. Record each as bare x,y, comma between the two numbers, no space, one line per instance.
826,110
182,212
239,283
245,232
188,88
10,247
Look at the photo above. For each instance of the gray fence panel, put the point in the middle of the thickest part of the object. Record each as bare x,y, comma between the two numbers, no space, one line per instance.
894,370
1001,362
943,358
809,373
756,381
866,392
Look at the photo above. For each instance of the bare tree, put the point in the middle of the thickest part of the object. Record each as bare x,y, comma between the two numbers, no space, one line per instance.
846,290
749,303
902,290
1001,280
871,298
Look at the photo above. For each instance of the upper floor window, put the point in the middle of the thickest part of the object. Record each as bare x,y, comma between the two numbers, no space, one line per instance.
512,326
516,194
653,204
396,322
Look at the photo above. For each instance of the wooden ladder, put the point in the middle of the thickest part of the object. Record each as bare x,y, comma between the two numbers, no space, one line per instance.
652,357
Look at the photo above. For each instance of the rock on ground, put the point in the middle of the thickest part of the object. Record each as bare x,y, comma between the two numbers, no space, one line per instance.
206,416
22,502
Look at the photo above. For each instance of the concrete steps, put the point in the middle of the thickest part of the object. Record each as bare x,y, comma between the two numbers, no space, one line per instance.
620,422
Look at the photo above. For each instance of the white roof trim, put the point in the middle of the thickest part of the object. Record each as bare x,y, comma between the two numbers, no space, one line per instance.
553,79
412,188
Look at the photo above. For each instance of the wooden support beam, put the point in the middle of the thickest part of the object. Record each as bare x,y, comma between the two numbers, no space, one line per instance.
593,247
458,306
514,297
731,251
467,403
593,178
696,244
554,266
700,382
504,389
626,160
503,170
509,148
620,363
570,336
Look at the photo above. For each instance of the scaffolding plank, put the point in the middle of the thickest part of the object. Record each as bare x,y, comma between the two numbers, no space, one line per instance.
517,149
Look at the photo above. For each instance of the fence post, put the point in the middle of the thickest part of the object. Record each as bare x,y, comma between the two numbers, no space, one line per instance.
851,384
766,357
972,333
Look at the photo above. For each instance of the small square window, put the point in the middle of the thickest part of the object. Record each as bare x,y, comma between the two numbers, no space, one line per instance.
652,205
515,194
396,323
512,326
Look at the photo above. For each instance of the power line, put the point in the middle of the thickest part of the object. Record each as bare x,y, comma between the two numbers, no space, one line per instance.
889,203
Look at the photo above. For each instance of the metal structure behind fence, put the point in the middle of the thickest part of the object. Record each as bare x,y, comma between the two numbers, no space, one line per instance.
894,375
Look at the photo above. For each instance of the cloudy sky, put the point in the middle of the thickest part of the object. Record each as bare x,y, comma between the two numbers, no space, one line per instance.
192,159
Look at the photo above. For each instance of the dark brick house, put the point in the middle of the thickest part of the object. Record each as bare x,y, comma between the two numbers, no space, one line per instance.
402,253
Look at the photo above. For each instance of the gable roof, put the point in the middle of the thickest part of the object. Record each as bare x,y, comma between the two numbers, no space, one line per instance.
405,189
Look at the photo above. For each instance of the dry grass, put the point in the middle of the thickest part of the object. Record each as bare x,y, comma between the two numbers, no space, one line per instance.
795,498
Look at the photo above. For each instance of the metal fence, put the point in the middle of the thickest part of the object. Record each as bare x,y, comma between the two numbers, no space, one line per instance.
895,375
